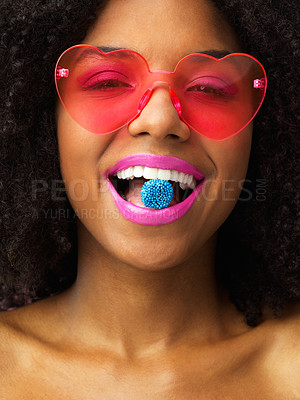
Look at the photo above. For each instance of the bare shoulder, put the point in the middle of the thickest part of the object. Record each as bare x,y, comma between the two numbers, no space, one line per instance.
9,340
281,360
12,351
28,325
289,343
21,346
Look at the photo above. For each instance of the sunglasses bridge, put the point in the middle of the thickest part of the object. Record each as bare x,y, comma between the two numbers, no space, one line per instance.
148,93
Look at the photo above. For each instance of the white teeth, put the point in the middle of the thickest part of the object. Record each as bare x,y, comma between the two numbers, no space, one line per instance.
150,173
190,180
138,171
185,180
183,186
164,174
174,176
129,173
193,185
183,177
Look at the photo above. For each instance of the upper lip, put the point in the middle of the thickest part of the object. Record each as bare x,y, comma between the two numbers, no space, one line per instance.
154,161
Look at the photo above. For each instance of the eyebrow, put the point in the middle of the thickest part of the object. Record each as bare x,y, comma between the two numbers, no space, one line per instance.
108,49
91,51
215,53
211,52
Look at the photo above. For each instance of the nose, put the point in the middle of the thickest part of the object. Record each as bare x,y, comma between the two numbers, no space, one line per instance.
159,118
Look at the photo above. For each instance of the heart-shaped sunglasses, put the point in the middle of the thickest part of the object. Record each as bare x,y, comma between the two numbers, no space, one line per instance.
104,92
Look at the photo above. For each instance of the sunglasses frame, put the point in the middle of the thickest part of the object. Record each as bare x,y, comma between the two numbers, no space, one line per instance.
258,84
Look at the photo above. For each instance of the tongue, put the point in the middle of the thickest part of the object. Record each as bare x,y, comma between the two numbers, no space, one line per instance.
133,193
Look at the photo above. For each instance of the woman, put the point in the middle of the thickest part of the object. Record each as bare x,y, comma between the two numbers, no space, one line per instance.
181,309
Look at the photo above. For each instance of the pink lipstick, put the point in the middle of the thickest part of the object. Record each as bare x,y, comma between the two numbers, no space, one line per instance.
145,216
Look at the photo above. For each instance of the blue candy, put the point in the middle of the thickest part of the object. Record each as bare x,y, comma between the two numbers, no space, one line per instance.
157,193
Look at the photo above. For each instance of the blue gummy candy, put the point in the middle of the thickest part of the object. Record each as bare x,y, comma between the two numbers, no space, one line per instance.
157,193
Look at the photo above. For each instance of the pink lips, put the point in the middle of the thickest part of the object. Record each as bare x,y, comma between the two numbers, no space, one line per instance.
145,216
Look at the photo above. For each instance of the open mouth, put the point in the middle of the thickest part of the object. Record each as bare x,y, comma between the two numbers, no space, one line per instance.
129,182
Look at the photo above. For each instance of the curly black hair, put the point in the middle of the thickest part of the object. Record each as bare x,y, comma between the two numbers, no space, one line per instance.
257,259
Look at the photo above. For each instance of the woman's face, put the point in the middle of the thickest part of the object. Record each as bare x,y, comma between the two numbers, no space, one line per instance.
163,32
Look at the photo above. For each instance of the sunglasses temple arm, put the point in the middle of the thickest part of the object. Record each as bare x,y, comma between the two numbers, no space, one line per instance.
62,72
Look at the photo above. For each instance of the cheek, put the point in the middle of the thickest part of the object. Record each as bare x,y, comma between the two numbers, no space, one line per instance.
228,168
234,164
80,152
238,153
78,149
231,156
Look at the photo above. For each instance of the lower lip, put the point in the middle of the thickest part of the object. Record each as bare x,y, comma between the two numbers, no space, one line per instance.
144,216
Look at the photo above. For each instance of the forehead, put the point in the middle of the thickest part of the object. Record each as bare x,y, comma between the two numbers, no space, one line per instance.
163,31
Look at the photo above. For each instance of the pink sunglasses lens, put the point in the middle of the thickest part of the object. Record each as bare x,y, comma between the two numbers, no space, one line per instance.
220,97
103,91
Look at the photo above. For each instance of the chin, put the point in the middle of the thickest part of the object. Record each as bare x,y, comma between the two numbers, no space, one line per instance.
152,259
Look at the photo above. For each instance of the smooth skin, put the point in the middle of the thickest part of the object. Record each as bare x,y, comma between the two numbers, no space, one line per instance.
145,318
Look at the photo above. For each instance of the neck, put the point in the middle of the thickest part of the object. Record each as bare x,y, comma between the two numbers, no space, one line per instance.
134,311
